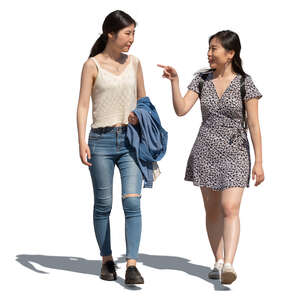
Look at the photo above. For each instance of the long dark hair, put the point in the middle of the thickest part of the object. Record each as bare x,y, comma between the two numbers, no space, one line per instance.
113,22
230,41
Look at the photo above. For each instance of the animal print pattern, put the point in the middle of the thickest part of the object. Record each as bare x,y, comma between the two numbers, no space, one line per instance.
220,156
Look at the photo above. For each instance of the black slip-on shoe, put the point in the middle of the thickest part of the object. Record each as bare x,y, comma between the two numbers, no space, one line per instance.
133,276
108,271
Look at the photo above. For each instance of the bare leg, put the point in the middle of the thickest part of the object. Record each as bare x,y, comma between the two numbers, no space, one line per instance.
130,262
214,220
230,202
106,258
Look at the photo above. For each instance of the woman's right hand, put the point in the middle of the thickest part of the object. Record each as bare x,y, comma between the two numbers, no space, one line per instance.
84,152
169,72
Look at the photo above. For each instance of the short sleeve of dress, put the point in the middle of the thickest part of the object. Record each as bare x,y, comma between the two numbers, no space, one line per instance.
194,85
251,90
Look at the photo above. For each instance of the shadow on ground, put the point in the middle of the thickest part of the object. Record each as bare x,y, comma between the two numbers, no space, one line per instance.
92,267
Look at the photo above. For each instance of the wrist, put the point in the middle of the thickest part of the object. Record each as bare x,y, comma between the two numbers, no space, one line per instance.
175,80
82,142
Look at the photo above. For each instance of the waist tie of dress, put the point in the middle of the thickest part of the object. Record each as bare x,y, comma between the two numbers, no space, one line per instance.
217,121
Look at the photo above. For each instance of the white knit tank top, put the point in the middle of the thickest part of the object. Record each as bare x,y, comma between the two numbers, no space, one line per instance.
114,96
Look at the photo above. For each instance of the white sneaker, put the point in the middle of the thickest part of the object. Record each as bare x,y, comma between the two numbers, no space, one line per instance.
228,274
215,272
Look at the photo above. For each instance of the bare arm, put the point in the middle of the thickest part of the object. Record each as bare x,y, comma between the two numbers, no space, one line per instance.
89,73
254,129
140,82
182,105
132,118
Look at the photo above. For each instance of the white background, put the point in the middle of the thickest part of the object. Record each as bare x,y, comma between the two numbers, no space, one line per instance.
48,246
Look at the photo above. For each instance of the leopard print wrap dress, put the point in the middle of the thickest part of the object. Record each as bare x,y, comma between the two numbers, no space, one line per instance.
220,156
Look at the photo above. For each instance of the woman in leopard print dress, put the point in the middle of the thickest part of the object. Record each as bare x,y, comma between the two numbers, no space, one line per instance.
219,161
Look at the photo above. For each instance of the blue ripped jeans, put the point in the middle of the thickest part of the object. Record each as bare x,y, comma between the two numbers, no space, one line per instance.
109,146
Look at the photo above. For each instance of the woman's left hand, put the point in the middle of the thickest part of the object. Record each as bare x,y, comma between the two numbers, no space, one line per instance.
257,171
132,118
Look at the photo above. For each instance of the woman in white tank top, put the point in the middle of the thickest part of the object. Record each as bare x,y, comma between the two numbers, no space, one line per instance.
114,81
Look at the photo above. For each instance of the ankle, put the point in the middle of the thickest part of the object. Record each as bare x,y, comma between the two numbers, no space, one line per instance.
106,259
220,261
130,262
228,264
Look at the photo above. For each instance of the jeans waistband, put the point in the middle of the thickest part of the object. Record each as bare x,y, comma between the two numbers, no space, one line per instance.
109,128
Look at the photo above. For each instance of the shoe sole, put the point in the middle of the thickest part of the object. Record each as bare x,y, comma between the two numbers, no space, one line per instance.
134,282
228,277
108,278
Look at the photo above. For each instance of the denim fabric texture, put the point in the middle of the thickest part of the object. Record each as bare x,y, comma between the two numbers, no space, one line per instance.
109,146
148,138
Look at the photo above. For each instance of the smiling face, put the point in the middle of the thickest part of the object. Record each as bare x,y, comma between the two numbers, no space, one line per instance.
218,56
124,38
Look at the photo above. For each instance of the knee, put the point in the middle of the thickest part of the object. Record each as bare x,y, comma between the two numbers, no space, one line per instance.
230,211
214,215
131,204
103,200
126,197
103,208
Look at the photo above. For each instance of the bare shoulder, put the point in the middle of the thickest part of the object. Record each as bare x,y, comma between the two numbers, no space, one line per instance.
90,63
89,66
